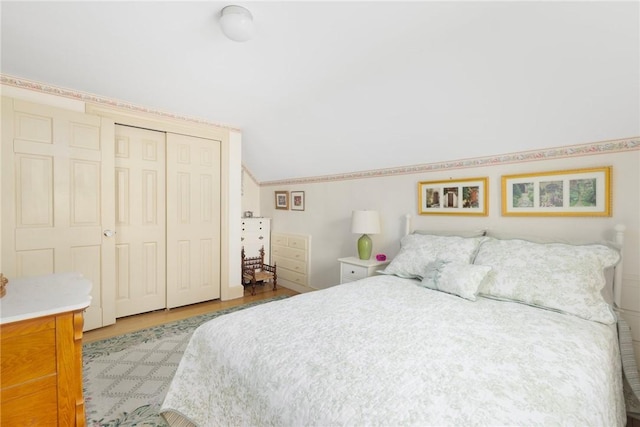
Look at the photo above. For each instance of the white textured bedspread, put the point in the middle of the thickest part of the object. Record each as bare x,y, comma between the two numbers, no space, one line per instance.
384,351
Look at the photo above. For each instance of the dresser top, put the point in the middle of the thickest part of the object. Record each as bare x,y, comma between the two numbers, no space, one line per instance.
32,297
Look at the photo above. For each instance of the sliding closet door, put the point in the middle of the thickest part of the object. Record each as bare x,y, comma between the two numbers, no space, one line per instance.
193,220
140,220
57,178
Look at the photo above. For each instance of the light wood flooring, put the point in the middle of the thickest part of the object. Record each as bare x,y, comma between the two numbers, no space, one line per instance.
141,321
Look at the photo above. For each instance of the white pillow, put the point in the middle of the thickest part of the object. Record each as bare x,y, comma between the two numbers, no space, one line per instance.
418,250
455,278
556,276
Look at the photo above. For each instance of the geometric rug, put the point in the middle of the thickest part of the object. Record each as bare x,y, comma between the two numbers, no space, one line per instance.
126,378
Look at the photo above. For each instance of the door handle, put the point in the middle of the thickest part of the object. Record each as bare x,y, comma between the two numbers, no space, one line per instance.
109,233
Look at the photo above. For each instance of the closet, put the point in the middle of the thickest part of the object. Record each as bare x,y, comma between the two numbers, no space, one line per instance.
133,206
167,220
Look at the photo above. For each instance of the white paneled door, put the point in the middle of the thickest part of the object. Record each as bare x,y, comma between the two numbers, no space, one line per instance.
193,220
57,191
140,220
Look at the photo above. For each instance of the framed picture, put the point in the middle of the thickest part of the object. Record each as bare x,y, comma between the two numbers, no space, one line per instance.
453,197
297,200
282,200
577,192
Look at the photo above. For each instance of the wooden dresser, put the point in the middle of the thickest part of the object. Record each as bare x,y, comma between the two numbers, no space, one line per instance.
41,322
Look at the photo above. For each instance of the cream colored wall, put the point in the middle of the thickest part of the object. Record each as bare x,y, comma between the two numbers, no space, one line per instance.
329,205
250,193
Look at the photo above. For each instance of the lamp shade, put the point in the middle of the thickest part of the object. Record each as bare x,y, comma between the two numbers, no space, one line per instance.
236,23
365,222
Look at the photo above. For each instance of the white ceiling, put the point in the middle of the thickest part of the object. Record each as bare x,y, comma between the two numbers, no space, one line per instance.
334,87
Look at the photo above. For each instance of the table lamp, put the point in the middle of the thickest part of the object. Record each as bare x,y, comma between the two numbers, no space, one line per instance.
365,223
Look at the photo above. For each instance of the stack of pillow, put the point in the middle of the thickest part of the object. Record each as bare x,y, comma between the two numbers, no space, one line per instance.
555,276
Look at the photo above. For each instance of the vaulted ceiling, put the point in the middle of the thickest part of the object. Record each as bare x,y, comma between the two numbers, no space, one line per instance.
334,87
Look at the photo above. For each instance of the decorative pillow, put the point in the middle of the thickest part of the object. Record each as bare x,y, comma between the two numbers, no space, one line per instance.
556,276
418,250
455,278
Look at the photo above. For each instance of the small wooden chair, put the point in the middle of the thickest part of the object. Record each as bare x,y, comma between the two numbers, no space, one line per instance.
255,270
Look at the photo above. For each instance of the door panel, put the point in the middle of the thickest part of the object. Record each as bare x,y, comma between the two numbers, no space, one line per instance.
140,220
57,166
193,220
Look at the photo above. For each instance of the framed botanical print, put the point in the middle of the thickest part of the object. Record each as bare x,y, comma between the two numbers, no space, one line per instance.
575,192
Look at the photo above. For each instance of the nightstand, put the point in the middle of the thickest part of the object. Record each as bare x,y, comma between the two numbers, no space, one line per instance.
353,268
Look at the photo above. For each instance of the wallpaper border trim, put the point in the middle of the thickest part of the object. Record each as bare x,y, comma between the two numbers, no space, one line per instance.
611,146
603,147
96,99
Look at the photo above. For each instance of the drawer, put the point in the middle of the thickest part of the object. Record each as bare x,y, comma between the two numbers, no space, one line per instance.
289,241
290,264
37,407
279,239
292,276
297,242
291,253
255,225
350,272
254,237
28,357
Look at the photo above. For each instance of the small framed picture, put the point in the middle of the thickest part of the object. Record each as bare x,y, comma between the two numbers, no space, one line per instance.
577,192
453,197
282,200
297,200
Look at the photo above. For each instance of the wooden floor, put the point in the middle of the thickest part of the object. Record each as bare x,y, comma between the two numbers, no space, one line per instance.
141,321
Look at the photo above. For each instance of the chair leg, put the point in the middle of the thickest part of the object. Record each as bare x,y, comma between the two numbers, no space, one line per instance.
253,286
275,282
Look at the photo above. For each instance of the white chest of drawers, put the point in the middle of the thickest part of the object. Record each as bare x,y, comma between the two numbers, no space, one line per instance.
256,233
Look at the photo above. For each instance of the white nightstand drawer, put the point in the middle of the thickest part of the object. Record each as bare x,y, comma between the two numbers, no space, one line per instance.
352,272
352,268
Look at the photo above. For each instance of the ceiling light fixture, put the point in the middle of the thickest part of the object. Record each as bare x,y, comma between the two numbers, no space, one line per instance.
236,23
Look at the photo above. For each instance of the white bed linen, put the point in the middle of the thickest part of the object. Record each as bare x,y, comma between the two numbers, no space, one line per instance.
384,351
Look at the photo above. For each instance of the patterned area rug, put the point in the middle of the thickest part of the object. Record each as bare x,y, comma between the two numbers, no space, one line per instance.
126,377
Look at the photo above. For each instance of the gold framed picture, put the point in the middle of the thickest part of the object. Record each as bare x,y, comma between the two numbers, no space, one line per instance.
282,200
573,192
453,197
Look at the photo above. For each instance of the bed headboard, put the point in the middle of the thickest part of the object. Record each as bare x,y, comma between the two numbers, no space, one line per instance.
617,275
618,241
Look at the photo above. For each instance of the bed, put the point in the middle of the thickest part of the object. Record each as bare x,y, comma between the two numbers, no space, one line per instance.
458,330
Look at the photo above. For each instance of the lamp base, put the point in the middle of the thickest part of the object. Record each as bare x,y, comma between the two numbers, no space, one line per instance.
364,247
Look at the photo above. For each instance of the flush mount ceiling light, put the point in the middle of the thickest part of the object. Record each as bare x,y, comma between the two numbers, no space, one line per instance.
236,23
